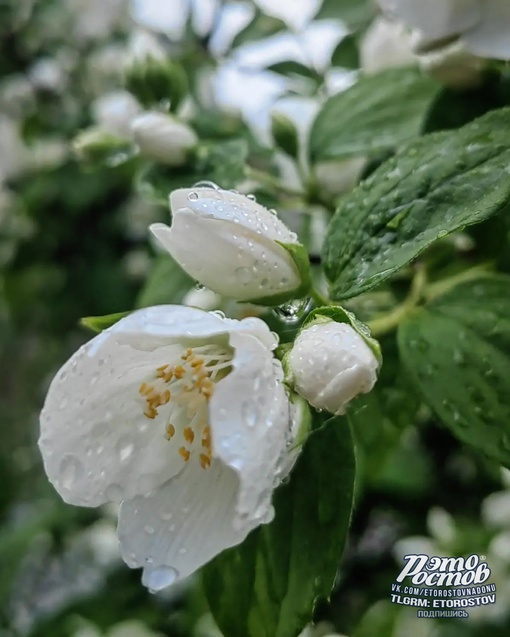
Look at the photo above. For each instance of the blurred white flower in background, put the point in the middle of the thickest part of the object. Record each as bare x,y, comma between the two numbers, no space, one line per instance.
482,25
114,112
385,44
295,13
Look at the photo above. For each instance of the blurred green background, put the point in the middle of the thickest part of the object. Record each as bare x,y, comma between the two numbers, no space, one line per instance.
73,243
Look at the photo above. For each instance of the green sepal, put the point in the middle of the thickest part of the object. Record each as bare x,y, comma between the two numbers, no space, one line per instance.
285,134
305,423
154,82
299,255
99,323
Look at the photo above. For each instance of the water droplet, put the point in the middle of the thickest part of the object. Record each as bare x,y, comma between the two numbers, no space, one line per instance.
243,275
292,311
193,196
250,413
94,379
70,471
251,197
199,286
204,183
219,313
125,449
273,212
160,577
148,529
182,551
166,515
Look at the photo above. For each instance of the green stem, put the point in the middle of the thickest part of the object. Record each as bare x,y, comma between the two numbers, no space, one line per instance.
440,287
390,321
269,180
319,298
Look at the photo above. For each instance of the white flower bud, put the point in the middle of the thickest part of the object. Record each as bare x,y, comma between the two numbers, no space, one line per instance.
163,138
233,246
331,363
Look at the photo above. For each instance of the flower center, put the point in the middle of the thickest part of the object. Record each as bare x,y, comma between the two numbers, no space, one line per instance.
181,391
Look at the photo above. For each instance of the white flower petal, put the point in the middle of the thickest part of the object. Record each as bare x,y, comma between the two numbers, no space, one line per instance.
435,19
238,271
162,16
226,205
491,37
182,525
295,13
96,442
250,422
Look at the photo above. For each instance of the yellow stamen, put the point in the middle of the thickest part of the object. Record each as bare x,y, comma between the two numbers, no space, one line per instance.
179,371
184,453
189,435
205,461
170,431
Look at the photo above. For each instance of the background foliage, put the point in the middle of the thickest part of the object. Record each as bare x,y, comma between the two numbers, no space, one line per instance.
419,250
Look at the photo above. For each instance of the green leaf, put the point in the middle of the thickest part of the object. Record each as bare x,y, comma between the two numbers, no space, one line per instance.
346,53
267,586
355,14
379,112
99,323
435,186
167,283
457,352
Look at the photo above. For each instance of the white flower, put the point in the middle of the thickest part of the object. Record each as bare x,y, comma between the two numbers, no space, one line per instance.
385,44
295,13
483,25
231,244
182,416
163,138
330,364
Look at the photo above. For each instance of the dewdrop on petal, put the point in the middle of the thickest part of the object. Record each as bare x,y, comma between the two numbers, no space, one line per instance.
234,246
330,364
181,416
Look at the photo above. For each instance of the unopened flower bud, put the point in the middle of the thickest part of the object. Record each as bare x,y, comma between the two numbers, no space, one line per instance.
330,364
234,246
163,138
154,81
